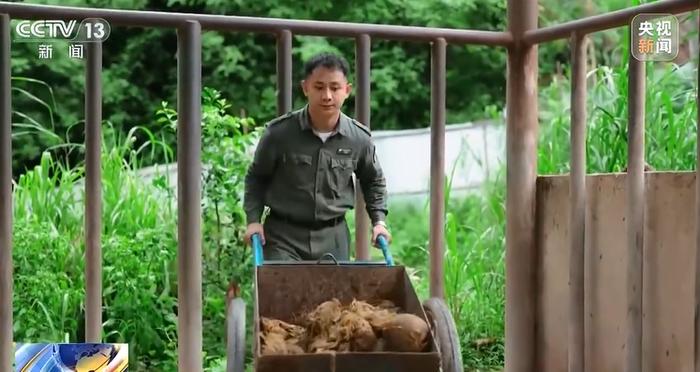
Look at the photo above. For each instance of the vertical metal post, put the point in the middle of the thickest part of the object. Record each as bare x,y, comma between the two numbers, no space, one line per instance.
189,196
635,214
577,194
362,114
6,350
284,72
521,162
697,220
93,206
437,167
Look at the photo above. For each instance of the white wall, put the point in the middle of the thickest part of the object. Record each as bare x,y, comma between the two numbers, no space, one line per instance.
475,149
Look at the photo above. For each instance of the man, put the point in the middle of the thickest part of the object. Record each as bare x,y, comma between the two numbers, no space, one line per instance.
303,168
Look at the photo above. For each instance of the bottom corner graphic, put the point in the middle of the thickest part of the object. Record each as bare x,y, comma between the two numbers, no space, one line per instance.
71,357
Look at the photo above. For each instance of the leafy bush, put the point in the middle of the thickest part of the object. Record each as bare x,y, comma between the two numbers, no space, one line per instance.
138,242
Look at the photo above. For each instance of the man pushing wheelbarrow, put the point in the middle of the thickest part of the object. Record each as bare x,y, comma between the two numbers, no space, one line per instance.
311,316
302,170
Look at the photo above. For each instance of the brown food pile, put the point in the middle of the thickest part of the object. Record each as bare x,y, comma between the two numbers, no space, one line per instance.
358,326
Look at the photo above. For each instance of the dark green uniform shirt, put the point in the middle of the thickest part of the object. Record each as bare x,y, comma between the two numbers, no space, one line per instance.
299,176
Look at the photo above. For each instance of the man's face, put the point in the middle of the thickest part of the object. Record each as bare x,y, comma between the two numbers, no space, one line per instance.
326,90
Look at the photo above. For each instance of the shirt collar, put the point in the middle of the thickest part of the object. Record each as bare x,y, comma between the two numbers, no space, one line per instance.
305,121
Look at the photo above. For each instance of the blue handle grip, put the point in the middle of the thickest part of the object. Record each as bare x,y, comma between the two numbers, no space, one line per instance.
257,250
384,246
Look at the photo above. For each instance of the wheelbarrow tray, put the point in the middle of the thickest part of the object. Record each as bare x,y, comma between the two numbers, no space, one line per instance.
282,291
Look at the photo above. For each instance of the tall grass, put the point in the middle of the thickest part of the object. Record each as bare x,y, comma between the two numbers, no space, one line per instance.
670,130
138,242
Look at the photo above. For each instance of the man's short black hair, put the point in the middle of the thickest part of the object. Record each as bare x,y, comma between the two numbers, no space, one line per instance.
327,60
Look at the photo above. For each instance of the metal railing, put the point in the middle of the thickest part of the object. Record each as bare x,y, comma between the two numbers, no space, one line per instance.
520,41
522,172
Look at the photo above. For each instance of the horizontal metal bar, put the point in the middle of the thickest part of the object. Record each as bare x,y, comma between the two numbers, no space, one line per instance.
257,24
606,21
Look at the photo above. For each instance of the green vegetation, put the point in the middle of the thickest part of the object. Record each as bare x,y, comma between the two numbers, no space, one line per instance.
140,69
138,241
139,217
140,271
475,225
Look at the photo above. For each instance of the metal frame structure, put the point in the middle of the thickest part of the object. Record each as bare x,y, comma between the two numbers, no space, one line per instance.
520,41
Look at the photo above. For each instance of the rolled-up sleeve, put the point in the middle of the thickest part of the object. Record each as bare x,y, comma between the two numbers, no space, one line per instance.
372,182
258,177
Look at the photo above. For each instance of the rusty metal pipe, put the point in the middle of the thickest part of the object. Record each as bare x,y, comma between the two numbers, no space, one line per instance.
93,206
256,24
362,114
284,72
189,213
577,194
437,168
7,354
606,21
635,214
697,225
521,162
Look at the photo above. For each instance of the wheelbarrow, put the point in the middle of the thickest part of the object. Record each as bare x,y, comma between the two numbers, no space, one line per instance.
282,289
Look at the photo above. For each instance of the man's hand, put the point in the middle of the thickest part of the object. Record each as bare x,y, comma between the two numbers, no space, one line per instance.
254,228
380,230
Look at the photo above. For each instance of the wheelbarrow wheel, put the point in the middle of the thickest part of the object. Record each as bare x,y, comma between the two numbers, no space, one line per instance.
445,334
235,336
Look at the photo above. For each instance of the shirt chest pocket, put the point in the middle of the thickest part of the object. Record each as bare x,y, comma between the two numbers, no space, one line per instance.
298,170
340,174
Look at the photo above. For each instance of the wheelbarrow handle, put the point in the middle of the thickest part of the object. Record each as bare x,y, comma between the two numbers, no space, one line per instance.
257,249
384,246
